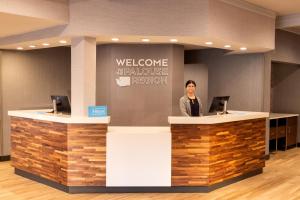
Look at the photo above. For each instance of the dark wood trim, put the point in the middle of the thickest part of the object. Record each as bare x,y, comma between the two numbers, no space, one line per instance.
267,157
101,189
4,158
291,146
289,134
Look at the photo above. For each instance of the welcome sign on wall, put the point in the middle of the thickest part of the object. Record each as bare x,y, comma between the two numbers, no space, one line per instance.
142,71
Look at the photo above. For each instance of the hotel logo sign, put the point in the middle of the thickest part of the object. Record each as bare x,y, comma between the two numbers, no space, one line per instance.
141,71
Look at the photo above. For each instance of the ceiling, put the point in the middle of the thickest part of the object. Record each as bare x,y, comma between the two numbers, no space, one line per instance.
17,24
189,43
281,7
295,29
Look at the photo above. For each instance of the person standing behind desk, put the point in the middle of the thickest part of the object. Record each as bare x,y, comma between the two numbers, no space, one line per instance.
190,104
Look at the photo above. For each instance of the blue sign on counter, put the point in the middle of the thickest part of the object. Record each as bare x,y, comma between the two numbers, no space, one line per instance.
97,111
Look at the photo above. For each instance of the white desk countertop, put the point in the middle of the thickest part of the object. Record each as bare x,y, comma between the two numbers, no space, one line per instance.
60,118
282,115
215,119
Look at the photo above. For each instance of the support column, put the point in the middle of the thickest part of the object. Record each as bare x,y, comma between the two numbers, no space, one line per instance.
83,75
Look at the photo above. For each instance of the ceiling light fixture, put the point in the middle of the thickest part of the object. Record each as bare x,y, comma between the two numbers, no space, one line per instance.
63,41
145,40
32,46
208,43
115,39
227,46
20,48
243,48
173,40
46,44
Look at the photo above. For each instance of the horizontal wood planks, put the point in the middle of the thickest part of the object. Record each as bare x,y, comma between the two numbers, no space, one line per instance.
69,154
87,154
203,155
190,155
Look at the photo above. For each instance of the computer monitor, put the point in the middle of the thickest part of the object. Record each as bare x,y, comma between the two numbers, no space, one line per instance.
62,104
218,103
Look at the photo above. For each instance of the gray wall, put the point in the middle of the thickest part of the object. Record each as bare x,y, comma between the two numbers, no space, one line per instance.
139,105
285,96
287,47
287,51
28,78
239,76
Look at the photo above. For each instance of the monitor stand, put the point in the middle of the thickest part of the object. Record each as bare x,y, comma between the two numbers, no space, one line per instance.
222,113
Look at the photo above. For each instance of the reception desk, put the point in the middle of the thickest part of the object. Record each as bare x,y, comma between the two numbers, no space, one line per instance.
194,154
211,151
59,150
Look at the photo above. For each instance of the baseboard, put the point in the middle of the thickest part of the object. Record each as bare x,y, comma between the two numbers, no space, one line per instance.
267,157
103,189
292,146
4,158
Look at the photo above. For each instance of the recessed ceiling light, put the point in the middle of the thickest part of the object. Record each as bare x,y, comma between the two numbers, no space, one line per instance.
173,40
227,46
20,48
46,44
243,48
145,40
115,39
63,41
32,46
208,43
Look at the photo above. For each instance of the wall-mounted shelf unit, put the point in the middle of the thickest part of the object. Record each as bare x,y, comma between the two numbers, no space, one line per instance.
283,130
